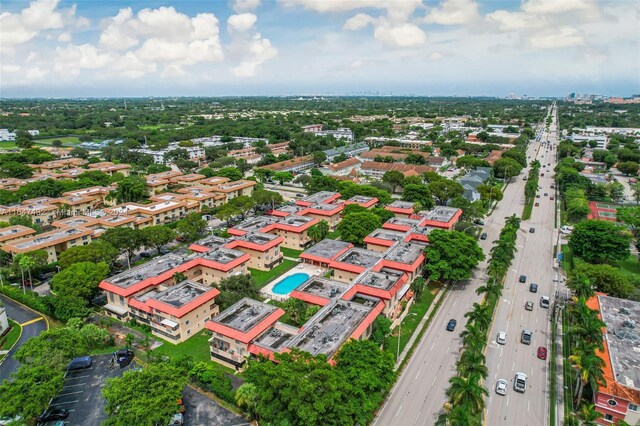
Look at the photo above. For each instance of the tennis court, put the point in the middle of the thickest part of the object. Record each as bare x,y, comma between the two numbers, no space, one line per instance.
607,206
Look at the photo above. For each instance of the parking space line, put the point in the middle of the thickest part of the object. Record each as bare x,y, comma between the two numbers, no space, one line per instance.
71,386
68,402
77,377
69,393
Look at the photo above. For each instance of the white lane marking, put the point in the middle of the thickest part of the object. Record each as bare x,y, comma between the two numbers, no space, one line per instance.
434,380
398,412
513,368
419,371
508,396
528,403
69,393
71,386
68,402
417,417
77,377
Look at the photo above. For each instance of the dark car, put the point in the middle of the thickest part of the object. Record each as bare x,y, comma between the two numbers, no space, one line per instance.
532,230
537,204
528,306
533,288
80,363
542,352
451,325
52,414
523,278
300,195
145,254
483,236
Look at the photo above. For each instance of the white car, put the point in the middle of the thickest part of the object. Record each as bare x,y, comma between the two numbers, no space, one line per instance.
501,387
502,338
566,229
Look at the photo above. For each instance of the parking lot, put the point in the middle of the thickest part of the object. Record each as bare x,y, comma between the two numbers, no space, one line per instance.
81,392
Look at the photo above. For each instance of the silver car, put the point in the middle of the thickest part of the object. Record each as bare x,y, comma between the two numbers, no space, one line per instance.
502,338
501,387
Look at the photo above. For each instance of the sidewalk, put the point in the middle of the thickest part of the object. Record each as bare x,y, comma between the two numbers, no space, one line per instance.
559,360
418,329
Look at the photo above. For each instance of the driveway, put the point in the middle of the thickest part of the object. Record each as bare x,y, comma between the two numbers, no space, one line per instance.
32,325
203,411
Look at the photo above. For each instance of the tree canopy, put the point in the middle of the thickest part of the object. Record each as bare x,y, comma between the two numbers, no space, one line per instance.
191,227
354,227
452,255
598,241
80,279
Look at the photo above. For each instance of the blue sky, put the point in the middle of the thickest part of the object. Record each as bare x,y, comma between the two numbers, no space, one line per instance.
59,48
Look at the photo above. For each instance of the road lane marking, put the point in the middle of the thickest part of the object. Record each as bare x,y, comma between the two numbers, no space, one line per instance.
528,403
508,396
419,371
70,386
69,393
417,417
31,321
398,412
434,380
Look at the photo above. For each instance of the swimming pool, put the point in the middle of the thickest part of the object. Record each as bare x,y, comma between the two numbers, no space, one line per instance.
287,285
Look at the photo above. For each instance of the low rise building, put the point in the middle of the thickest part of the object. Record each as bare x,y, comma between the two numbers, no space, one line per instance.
375,169
15,233
53,242
264,249
325,252
295,165
234,189
441,217
353,262
402,209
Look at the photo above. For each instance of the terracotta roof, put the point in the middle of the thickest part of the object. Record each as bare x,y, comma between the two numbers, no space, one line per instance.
343,164
404,168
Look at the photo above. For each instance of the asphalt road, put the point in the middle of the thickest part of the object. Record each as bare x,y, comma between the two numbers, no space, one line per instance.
535,260
34,325
419,394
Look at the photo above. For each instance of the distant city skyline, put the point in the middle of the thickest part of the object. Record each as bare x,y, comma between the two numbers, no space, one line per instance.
541,48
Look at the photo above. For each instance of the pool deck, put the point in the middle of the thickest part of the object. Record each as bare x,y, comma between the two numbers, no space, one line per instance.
267,290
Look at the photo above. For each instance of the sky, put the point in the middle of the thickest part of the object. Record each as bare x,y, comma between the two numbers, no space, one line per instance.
103,48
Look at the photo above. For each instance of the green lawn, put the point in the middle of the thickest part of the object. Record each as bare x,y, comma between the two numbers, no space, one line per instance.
197,347
567,260
290,252
333,235
8,145
630,267
411,321
263,277
68,140
9,339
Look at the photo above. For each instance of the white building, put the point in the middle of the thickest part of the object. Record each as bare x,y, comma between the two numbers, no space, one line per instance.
195,152
600,139
343,133
6,135
4,322
34,132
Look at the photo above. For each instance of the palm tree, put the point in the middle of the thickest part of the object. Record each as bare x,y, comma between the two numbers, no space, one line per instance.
247,399
472,362
467,392
490,290
457,416
589,370
480,314
581,286
319,231
589,415
473,336
26,262
178,277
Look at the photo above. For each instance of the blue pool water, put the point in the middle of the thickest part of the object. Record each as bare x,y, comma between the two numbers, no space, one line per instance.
287,285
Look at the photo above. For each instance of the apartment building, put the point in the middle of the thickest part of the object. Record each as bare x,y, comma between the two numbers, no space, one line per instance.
331,213
157,185
618,397
100,193
203,196
41,211
324,252
293,229
375,169
363,201
58,165
53,242
191,179
441,217
322,197
15,233
382,239
342,168
158,213
111,168
234,189
278,148
402,209
295,165
353,262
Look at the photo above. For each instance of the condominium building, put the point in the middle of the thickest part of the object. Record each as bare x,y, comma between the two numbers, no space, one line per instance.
53,242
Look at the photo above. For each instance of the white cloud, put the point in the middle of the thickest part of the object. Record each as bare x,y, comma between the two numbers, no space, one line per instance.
403,35
555,6
358,22
242,22
116,36
563,37
240,6
40,15
77,57
35,73
514,21
436,56
254,53
454,12
64,37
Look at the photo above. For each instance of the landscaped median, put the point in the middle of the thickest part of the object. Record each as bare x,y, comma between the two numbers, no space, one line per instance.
531,189
10,338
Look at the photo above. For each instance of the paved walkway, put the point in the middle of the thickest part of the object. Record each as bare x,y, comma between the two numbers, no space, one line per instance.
420,326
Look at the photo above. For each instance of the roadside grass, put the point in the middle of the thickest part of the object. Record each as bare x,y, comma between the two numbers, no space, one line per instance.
411,321
528,208
567,258
552,385
333,235
566,367
8,340
264,277
8,145
291,252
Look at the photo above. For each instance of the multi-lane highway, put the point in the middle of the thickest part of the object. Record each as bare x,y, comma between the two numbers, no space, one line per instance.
419,394
535,260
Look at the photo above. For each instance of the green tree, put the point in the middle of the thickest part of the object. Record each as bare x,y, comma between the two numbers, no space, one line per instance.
589,415
227,212
444,190
616,191
235,288
418,286
231,173
191,227
262,198
319,231
506,167
94,252
57,143
263,174
13,169
28,393
354,227
145,397
125,239
598,241
380,329
296,309
157,236
80,280
319,157
130,190
282,177
79,152
489,193
243,203
247,399
629,168
418,194
53,347
602,277
394,178
452,255
467,392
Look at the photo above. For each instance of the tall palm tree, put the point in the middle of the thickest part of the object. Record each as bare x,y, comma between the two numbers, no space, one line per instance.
588,370
480,314
472,362
472,335
247,399
319,231
581,286
489,290
27,262
589,415
458,416
467,392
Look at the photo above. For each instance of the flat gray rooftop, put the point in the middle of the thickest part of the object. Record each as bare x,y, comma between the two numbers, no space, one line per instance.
256,223
276,337
245,314
258,238
327,248
361,199
294,220
622,319
231,185
49,237
212,241
383,280
324,207
404,221
441,213
289,209
319,197
401,204
386,234
404,253
323,287
222,255
330,327
360,257
149,269
177,295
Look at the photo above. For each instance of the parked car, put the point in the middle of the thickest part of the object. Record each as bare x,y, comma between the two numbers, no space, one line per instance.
53,413
528,306
300,195
483,236
520,382
4,421
545,302
537,204
451,325
80,363
533,288
502,338
551,198
546,194
145,254
542,352
526,337
538,196
501,387
532,230
522,279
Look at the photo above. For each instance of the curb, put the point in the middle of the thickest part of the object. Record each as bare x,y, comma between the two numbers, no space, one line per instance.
14,343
